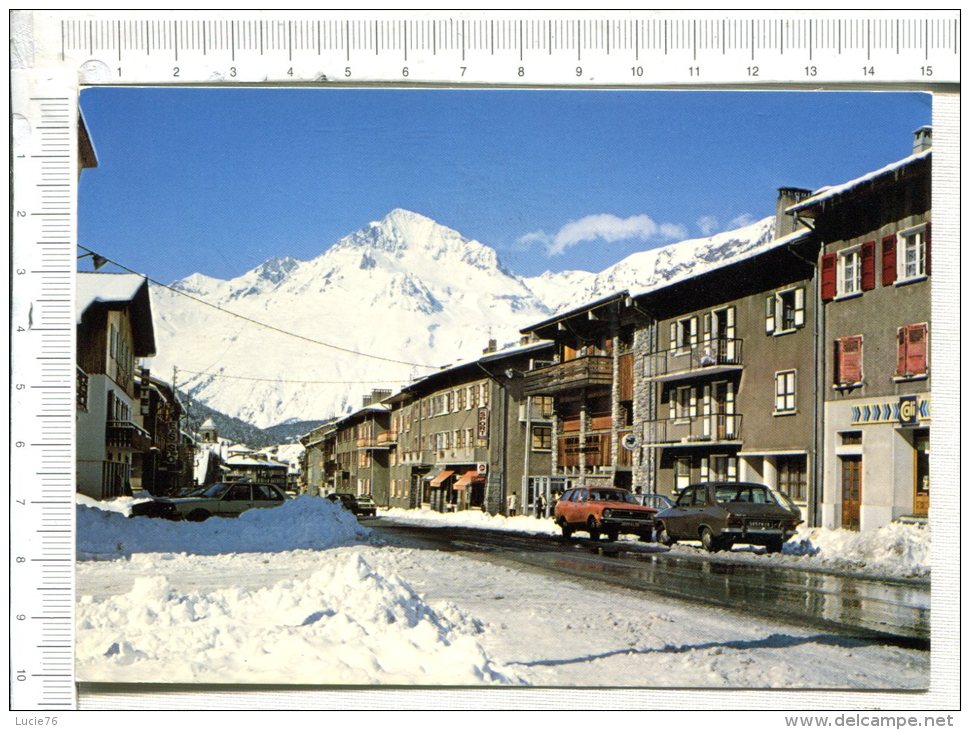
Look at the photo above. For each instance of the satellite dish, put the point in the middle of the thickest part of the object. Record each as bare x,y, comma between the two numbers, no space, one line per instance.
630,442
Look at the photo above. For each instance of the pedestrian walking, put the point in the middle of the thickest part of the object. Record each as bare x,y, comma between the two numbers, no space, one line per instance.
540,507
510,505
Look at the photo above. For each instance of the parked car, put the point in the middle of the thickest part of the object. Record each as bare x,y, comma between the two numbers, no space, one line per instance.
362,506
223,499
720,514
785,501
603,509
657,501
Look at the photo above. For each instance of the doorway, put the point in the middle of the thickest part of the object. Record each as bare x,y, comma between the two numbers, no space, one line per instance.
921,486
851,491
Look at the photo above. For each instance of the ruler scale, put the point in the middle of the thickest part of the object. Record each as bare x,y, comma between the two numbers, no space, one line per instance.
54,53
42,397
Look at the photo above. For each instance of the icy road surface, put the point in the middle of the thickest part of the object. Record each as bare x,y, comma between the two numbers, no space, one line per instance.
345,612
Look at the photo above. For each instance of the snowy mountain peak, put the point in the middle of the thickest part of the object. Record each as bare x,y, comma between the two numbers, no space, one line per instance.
276,268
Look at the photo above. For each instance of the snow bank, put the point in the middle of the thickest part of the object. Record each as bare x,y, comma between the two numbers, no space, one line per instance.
302,523
346,623
472,518
896,549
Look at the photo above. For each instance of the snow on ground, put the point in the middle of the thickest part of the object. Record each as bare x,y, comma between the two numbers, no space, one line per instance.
894,551
305,522
248,608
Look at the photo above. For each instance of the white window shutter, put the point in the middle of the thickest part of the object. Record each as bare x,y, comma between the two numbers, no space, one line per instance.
693,402
729,330
770,314
693,331
729,400
707,400
732,469
673,335
705,472
708,333
800,307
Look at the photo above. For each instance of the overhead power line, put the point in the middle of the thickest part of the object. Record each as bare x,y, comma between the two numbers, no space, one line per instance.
297,382
265,325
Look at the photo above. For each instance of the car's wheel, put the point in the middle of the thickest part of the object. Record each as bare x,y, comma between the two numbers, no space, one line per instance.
663,535
774,546
646,536
612,534
567,531
594,531
198,515
710,543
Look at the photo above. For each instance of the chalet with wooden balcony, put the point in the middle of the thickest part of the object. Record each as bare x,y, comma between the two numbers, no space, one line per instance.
164,463
467,437
874,369
724,369
114,330
590,379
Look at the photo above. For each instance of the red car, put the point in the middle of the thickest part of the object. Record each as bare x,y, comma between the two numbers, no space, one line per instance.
603,509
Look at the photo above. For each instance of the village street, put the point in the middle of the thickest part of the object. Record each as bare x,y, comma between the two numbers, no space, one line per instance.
369,605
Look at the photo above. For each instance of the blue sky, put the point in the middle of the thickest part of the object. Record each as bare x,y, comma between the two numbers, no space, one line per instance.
218,180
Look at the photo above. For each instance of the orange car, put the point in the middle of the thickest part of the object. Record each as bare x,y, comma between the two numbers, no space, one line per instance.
603,509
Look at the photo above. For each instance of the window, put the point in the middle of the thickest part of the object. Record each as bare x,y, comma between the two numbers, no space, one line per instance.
785,392
911,257
849,272
681,472
683,334
851,438
543,406
541,438
792,476
683,403
462,399
473,396
484,395
848,361
911,351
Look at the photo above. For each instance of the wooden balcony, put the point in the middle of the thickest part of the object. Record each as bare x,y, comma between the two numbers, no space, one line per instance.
383,440
596,449
713,429
126,435
576,374
707,358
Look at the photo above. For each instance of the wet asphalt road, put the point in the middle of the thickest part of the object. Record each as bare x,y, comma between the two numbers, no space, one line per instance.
894,611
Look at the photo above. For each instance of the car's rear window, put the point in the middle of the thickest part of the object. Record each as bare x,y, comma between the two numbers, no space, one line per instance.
747,494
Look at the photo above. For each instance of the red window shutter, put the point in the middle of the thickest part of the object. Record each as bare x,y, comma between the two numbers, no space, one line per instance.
888,260
850,365
926,241
901,340
916,349
828,277
868,265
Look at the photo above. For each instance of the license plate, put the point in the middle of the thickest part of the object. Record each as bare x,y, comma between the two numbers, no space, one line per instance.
761,525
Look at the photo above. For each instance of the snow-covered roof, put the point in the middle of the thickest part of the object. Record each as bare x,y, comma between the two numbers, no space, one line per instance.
567,313
208,425
516,350
96,287
243,460
725,262
831,191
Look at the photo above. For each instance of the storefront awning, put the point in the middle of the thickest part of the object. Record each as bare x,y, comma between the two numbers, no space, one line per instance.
469,477
440,477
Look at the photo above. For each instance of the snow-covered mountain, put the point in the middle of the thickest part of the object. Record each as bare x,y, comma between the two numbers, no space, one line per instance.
406,288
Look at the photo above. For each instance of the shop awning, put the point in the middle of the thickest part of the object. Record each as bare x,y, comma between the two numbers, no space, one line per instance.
440,477
469,477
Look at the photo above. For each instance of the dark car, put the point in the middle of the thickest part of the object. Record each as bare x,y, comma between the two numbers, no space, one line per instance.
362,506
223,499
603,509
657,501
720,514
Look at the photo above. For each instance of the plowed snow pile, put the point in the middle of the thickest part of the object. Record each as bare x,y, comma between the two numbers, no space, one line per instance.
303,523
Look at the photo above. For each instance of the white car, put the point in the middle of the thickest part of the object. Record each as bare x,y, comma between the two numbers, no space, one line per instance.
223,499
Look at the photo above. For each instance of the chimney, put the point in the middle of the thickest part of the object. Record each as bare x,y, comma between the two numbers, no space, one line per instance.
492,347
922,139
785,223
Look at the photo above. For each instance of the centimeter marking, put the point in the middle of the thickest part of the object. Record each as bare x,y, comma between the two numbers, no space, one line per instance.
43,403
800,47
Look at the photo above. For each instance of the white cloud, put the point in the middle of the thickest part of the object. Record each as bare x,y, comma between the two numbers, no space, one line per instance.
745,219
605,227
708,225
